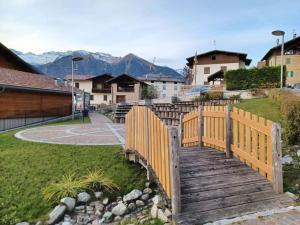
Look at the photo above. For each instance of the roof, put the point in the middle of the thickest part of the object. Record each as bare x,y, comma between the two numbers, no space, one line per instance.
29,81
287,46
159,77
11,56
242,56
125,76
86,77
219,74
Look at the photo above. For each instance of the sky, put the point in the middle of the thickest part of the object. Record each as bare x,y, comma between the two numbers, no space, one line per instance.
169,30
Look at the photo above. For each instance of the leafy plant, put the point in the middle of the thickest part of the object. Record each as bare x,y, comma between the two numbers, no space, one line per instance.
149,92
69,186
96,180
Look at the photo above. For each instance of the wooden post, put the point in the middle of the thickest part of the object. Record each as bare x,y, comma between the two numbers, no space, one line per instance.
200,125
228,132
175,175
180,129
147,141
276,158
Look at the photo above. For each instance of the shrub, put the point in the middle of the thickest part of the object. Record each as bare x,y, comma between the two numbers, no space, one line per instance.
69,186
258,92
149,92
96,181
242,79
215,95
290,108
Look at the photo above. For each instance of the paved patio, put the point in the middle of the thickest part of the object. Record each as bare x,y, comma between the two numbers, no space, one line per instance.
101,131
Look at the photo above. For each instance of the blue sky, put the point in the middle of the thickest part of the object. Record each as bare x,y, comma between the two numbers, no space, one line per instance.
168,30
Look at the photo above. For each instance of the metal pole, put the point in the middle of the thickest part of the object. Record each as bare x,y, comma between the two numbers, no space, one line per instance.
72,90
281,71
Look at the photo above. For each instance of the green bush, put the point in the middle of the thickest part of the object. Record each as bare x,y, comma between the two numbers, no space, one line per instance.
254,78
215,95
290,108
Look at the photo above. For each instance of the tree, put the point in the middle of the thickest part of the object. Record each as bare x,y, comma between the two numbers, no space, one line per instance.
188,75
149,92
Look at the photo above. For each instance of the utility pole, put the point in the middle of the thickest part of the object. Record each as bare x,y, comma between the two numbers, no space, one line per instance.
195,65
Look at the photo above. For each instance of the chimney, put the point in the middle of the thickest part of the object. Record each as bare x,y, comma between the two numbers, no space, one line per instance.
294,35
56,81
66,82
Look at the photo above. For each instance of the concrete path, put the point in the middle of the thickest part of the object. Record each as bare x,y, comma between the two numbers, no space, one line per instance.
101,131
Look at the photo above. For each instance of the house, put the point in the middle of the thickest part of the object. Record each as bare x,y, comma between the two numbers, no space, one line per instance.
167,86
100,91
32,96
291,59
125,89
10,60
209,67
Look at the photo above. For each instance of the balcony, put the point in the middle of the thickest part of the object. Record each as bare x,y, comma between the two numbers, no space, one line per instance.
125,87
101,90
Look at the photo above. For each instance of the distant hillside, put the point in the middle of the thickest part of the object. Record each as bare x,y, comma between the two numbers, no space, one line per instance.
59,64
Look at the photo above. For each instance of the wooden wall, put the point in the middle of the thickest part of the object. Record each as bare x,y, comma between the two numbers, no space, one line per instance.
221,58
14,104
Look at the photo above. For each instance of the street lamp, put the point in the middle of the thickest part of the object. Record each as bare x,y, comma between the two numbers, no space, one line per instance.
78,58
280,33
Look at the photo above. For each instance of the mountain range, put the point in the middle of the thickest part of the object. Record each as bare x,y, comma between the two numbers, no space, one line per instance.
58,64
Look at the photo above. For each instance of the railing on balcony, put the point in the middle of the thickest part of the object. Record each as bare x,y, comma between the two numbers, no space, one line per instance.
101,90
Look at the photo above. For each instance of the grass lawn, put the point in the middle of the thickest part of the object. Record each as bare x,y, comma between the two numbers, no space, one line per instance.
70,121
264,107
27,167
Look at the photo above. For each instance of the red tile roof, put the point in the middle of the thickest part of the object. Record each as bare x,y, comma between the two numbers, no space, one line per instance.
19,79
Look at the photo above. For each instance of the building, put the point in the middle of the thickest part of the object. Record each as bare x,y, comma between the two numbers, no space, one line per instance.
100,91
10,60
166,86
125,88
209,67
31,97
291,59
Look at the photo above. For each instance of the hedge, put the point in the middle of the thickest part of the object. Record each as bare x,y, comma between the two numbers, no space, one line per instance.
290,108
242,79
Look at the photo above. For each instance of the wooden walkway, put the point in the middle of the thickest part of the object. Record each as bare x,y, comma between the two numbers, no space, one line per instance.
214,187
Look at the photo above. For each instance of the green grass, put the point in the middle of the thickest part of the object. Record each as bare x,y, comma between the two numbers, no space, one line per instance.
27,168
264,107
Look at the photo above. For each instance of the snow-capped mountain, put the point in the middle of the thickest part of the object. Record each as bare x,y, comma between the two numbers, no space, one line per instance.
49,57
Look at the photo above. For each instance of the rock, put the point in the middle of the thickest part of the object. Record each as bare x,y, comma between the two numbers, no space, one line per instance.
133,195
23,223
119,209
98,194
144,220
99,206
107,217
162,216
105,201
83,197
131,206
145,197
139,203
67,223
67,217
291,195
167,212
119,198
298,153
56,214
69,202
39,223
147,191
157,200
80,207
167,223
95,222
147,184
153,211
287,159
118,218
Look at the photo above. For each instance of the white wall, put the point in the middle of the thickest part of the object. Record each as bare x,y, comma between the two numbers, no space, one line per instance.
201,77
87,85
169,88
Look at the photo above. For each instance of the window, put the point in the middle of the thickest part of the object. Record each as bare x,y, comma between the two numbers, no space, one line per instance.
152,81
213,57
288,61
164,82
175,82
164,95
206,70
224,68
164,87
77,84
290,73
91,97
175,87
104,97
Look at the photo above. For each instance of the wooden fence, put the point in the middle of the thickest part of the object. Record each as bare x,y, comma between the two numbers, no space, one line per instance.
252,139
156,145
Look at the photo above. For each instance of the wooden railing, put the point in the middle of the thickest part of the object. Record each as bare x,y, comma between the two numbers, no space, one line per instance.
156,146
252,139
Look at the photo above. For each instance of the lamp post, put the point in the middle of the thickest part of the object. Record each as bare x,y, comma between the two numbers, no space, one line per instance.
73,105
280,33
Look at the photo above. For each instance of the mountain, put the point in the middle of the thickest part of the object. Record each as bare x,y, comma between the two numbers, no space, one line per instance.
58,64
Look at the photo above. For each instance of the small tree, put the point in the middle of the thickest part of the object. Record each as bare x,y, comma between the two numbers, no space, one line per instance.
187,74
149,92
